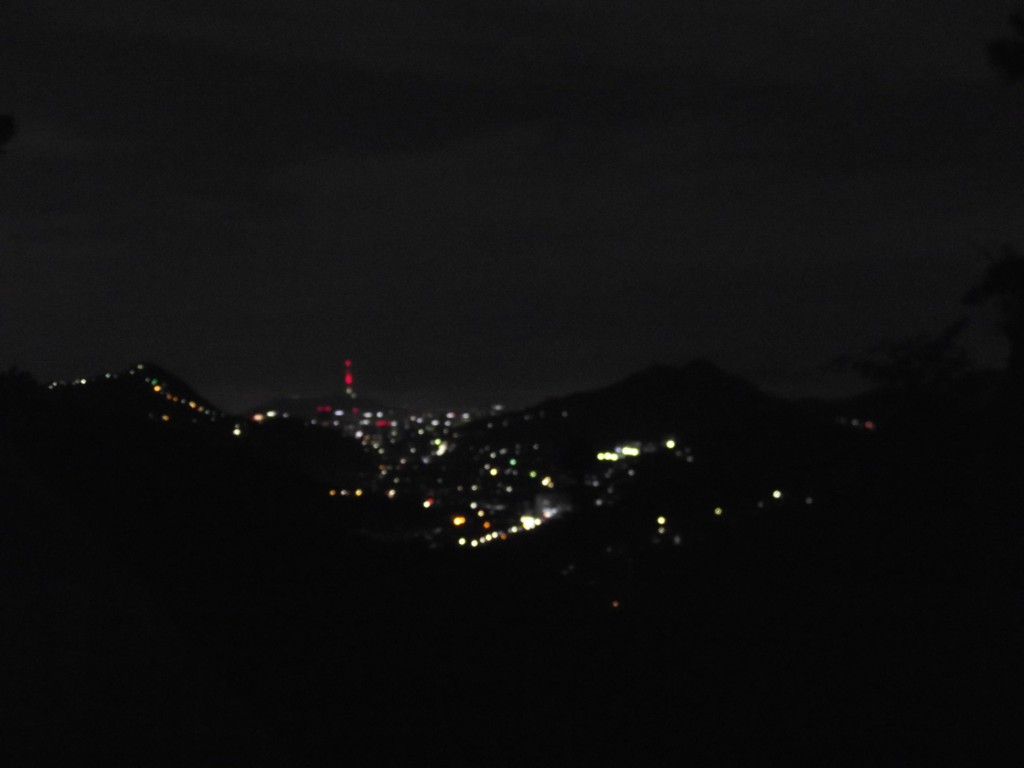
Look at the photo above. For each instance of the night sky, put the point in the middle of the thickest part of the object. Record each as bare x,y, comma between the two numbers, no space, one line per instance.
495,202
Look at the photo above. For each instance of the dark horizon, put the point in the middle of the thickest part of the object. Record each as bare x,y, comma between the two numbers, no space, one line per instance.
846,388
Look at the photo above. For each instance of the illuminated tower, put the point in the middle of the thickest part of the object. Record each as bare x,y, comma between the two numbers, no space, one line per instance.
349,381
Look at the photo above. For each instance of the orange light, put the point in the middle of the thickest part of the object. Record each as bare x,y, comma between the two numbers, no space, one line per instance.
156,387
487,525
332,492
458,520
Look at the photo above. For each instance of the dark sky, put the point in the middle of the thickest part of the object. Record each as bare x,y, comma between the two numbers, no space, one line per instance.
494,202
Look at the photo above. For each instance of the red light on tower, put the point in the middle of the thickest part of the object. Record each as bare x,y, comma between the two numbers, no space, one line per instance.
349,379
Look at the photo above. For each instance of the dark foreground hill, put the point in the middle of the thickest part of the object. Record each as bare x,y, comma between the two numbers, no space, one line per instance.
172,597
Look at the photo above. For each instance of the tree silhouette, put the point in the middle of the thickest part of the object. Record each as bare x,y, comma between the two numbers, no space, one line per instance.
1004,284
1007,53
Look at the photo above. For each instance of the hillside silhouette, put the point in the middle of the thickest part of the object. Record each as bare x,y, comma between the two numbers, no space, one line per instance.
173,583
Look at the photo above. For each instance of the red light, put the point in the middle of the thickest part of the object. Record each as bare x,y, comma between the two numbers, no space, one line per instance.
348,378
355,410
324,409
383,423
348,363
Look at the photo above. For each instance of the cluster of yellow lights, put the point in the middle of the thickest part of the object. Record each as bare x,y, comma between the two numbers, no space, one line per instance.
170,397
629,451
345,492
527,523
621,452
